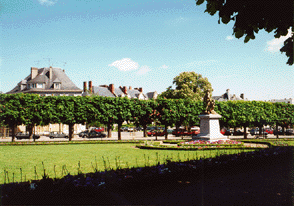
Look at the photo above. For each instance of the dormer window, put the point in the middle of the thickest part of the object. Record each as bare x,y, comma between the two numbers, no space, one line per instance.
40,85
56,85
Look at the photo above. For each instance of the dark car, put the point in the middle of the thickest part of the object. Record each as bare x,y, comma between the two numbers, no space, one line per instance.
124,129
280,132
21,135
94,134
84,133
289,132
256,132
53,135
238,133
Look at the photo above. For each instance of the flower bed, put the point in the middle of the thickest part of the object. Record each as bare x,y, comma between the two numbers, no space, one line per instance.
100,183
198,145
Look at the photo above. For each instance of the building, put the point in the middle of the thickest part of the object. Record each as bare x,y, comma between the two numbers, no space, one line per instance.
47,81
289,101
227,96
111,91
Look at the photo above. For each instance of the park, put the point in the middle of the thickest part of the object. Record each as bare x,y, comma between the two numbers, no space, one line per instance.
147,171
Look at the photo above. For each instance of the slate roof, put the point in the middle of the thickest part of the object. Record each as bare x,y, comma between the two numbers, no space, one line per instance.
151,95
224,97
58,75
102,91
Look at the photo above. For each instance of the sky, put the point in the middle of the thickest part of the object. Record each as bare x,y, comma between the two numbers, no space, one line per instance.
138,43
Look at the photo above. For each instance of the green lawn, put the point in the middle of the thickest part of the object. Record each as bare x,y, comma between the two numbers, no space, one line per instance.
124,155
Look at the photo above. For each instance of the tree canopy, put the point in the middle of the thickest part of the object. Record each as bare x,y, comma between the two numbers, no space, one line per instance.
189,85
252,16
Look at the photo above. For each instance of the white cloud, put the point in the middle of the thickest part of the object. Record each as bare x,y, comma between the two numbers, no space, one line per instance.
229,38
276,44
125,64
143,70
164,67
47,2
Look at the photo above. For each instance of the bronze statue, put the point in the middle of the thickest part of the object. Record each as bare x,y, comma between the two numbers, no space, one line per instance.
209,103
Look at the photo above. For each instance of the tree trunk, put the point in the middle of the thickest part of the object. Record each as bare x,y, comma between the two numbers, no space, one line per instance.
71,131
177,130
34,134
283,130
145,130
109,134
155,131
13,132
245,132
119,132
260,130
30,128
165,131
277,130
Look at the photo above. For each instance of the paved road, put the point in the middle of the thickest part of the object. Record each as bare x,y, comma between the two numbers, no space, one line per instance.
128,136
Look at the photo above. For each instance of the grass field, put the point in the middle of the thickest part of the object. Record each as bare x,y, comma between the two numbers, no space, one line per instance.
21,161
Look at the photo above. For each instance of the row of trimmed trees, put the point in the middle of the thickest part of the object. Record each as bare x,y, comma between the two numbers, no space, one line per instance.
32,110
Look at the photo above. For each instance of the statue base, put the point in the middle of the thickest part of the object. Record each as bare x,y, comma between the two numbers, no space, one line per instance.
209,128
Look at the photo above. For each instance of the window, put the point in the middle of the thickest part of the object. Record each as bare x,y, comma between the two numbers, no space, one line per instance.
56,85
39,85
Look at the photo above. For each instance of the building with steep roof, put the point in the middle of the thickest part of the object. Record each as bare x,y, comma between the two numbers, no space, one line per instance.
227,96
111,91
47,81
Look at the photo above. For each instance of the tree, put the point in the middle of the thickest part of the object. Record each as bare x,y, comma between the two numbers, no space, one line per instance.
189,85
270,15
12,112
142,113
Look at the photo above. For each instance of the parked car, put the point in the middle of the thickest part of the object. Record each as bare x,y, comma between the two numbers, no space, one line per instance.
21,135
124,129
82,134
94,134
138,128
238,133
289,132
226,132
155,133
53,135
99,129
256,132
131,129
279,132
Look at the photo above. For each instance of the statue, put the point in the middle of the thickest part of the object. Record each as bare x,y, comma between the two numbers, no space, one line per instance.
209,103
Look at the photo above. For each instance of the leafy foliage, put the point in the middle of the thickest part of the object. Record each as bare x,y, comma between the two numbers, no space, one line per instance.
31,109
189,85
272,15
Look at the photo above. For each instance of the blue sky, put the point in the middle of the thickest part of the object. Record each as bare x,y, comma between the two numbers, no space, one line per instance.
143,43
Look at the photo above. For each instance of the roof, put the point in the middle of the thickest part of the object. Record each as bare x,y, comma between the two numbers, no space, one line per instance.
58,75
151,95
102,91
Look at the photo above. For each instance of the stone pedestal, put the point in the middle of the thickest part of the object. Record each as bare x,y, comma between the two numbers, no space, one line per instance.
209,128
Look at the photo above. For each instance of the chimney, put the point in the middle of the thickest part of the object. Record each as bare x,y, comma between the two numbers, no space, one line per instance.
50,73
90,86
103,85
34,72
140,89
125,90
130,88
63,71
228,93
85,86
242,96
111,88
